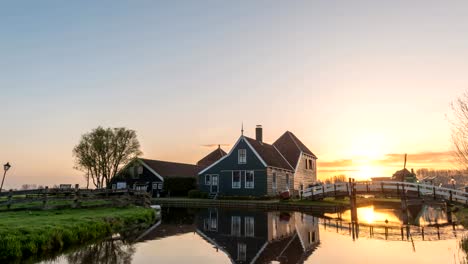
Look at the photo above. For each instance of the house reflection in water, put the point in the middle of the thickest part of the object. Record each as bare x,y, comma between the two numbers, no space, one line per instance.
259,237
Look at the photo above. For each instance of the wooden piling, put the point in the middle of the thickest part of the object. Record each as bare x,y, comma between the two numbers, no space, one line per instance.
44,197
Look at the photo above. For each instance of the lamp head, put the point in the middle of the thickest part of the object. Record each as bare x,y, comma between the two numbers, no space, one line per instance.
7,166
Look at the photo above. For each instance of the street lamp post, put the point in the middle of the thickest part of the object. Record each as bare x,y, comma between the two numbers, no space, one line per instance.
6,167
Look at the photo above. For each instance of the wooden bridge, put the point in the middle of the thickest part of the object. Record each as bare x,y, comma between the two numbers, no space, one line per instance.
386,188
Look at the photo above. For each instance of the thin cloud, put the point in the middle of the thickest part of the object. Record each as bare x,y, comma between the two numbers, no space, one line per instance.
338,170
215,145
418,158
336,163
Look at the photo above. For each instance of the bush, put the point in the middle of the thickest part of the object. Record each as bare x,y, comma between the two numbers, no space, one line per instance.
197,194
249,198
179,186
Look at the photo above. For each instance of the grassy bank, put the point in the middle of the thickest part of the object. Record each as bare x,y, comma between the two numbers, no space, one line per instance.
31,233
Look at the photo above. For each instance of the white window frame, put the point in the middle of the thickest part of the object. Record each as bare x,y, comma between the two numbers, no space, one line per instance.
240,180
288,181
209,179
274,181
236,221
242,159
241,251
249,185
249,228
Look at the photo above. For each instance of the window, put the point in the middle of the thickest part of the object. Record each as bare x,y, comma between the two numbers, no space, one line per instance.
249,226
242,158
140,170
249,179
213,221
207,179
236,226
287,181
241,251
311,167
141,187
236,179
311,237
273,184
306,164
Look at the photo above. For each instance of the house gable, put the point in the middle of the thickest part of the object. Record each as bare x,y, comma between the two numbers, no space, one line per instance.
232,156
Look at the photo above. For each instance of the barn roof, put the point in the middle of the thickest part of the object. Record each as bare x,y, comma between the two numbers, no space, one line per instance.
269,154
291,147
212,157
172,169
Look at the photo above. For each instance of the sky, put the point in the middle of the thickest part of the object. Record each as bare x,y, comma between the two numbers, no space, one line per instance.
359,82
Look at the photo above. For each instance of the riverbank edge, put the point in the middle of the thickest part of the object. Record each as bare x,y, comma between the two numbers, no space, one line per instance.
35,241
326,206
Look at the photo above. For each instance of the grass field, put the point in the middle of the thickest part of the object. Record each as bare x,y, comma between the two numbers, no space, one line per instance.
30,233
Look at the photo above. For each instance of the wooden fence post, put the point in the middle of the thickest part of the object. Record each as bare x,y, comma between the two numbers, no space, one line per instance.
76,194
44,197
451,198
381,185
398,189
367,187
334,188
419,193
10,197
434,192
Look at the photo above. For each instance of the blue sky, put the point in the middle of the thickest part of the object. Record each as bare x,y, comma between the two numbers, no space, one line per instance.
352,79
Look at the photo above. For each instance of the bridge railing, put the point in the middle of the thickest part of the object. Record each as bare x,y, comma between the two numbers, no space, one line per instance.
387,187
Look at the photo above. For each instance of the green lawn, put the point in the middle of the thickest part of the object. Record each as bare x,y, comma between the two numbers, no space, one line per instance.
26,233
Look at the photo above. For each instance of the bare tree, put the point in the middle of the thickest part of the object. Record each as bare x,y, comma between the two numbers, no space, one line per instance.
102,152
459,126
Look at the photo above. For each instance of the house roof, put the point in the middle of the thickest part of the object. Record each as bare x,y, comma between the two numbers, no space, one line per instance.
172,169
291,147
212,157
270,155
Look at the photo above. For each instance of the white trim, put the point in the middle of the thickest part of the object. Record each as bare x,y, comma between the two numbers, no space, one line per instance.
259,252
203,235
150,169
253,179
255,152
225,156
240,179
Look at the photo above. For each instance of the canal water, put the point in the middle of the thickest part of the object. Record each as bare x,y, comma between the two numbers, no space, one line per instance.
216,235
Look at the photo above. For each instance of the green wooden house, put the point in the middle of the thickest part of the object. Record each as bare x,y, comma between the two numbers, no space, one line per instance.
256,168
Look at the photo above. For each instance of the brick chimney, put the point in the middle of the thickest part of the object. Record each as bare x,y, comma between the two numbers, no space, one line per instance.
259,133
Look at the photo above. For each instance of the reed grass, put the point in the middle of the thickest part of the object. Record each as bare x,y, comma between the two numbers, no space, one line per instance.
34,233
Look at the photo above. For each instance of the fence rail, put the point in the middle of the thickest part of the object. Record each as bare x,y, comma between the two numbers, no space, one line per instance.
73,197
389,188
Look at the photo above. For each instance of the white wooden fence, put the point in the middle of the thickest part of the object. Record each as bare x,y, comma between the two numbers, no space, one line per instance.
390,188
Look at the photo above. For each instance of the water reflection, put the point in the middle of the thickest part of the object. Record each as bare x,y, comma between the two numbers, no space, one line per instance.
249,237
245,236
109,251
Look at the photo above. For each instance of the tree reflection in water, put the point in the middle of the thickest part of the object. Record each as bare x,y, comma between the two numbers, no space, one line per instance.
108,251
